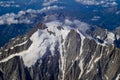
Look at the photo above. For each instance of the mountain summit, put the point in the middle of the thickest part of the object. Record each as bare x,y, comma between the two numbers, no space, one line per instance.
56,51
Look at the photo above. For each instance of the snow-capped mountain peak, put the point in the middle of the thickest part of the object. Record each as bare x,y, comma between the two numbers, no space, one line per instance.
60,48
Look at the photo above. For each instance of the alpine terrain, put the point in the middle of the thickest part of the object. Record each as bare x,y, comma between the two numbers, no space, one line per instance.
55,51
59,40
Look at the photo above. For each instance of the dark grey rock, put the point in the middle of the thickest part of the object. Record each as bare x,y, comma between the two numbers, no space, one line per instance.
96,62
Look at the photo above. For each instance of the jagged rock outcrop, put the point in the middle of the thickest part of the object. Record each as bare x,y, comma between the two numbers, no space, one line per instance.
65,55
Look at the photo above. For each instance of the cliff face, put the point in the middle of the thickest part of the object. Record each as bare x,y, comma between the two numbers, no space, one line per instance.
53,52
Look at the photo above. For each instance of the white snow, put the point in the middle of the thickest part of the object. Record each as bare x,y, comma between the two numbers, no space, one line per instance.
98,37
64,33
8,58
81,50
81,68
118,77
113,61
111,35
118,37
91,65
0,52
43,40
6,50
98,58
82,41
97,70
63,60
110,38
19,44
18,39
108,51
106,77
12,48
22,43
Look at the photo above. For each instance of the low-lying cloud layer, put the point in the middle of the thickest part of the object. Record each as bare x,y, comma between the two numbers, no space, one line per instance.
26,17
8,4
104,3
48,2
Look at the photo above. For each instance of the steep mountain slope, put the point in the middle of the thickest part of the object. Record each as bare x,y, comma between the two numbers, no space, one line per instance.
55,51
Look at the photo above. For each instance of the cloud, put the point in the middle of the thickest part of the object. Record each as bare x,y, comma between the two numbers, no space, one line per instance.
8,4
68,24
12,18
95,18
82,26
26,17
48,2
87,2
8,18
48,8
104,3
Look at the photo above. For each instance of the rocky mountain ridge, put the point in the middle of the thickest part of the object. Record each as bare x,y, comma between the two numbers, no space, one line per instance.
54,51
